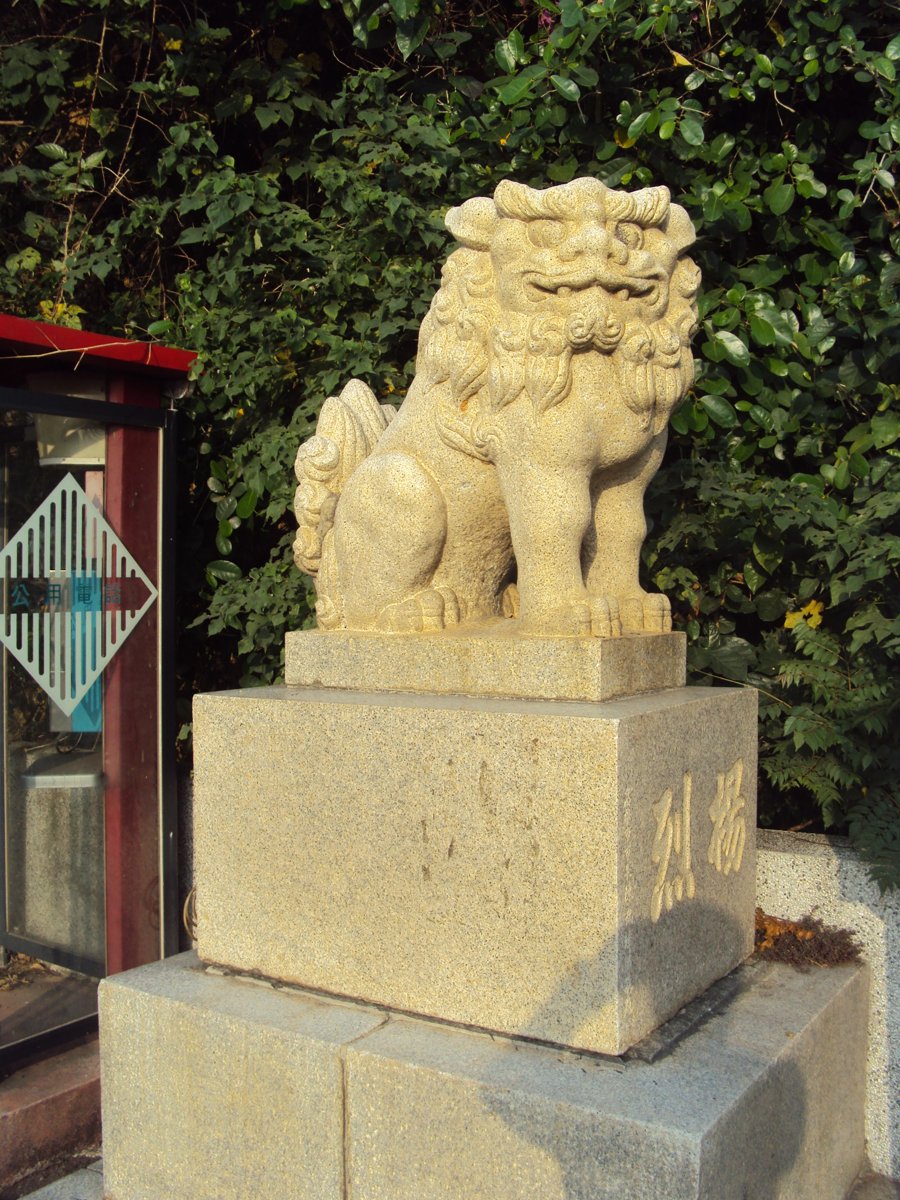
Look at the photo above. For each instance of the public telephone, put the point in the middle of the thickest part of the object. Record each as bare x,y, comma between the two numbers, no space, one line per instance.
88,878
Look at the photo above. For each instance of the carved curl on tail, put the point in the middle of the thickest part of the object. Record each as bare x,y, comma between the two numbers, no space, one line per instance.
348,428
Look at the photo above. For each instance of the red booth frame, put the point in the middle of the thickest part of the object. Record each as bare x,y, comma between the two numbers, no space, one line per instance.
141,856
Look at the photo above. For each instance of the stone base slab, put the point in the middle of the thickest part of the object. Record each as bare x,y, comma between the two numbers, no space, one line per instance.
494,661
564,871
218,1087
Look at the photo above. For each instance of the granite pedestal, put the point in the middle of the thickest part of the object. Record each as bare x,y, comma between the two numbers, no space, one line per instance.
565,870
218,1087
432,923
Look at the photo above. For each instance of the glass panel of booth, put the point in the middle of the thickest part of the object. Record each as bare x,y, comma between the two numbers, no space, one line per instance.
79,686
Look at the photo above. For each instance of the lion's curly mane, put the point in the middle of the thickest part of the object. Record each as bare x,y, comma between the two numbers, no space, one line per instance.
476,358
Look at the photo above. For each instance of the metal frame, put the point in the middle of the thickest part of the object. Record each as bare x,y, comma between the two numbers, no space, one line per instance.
164,420
170,917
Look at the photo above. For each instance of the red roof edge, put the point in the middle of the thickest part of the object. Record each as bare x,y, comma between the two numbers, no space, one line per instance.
46,343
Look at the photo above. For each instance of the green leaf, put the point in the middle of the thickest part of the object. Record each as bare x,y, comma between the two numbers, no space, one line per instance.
767,552
567,88
506,56
265,115
753,577
572,13
771,606
722,146
517,42
731,658
586,76
246,504
52,150
517,89
636,128
223,569
691,130
735,350
761,331
562,172
720,410
779,197
886,429
411,38
193,233
225,508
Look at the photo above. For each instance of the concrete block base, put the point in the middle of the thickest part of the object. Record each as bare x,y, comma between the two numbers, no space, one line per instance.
568,871
494,660
218,1087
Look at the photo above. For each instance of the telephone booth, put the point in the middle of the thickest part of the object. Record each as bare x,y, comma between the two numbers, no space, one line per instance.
88,879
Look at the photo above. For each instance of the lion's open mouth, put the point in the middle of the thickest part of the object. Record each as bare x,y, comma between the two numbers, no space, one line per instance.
539,287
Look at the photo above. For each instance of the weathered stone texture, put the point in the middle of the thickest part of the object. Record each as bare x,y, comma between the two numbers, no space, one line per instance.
490,661
568,871
221,1087
218,1091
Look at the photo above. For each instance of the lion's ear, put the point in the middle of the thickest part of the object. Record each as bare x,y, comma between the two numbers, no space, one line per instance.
680,228
473,223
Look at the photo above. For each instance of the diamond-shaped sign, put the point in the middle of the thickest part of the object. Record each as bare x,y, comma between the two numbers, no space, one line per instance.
72,595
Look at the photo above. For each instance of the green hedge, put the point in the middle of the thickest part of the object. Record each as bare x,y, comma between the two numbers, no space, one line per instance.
270,194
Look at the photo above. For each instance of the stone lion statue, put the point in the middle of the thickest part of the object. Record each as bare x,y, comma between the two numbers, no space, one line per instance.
511,480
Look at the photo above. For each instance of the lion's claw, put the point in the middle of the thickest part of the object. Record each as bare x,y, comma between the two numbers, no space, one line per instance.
425,612
605,618
647,613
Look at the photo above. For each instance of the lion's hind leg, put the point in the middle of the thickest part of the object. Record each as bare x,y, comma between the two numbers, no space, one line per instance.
389,533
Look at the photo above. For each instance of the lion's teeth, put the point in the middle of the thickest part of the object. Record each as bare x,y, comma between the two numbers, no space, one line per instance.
564,291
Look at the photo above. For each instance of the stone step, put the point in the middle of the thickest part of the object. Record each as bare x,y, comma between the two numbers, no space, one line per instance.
216,1087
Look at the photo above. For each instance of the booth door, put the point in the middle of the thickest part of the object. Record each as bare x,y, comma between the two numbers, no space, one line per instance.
79,673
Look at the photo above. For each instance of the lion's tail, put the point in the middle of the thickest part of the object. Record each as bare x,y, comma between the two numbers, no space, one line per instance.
349,426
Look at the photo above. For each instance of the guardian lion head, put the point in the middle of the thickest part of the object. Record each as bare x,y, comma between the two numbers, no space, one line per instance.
544,275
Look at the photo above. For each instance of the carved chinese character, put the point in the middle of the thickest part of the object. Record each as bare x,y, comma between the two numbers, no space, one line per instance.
727,813
672,851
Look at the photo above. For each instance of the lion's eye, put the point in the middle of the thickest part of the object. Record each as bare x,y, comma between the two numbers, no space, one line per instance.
631,235
545,234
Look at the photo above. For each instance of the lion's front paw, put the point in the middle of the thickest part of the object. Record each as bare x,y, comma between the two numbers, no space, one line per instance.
427,611
605,616
593,616
561,620
649,612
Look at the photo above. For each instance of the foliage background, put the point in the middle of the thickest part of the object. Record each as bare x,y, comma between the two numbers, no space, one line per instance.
264,182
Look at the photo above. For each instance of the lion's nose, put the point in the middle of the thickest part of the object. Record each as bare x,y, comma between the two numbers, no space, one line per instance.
588,239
